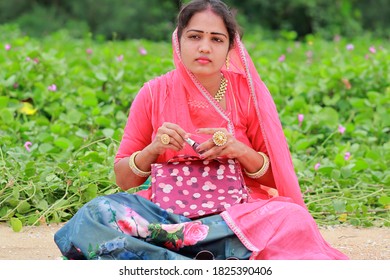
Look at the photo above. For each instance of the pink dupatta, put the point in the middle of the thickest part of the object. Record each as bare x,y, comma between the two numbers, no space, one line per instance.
266,113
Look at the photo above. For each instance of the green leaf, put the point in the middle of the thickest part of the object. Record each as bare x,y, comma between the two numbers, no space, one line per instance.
336,174
360,164
328,117
23,207
16,224
82,133
74,116
103,121
384,200
339,205
346,172
326,170
101,76
42,204
92,157
91,192
4,101
119,75
45,148
63,143
108,132
6,115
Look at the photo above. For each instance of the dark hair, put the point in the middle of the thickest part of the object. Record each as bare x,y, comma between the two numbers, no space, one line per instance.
216,6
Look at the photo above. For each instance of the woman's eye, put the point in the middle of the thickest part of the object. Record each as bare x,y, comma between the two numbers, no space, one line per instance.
219,40
194,37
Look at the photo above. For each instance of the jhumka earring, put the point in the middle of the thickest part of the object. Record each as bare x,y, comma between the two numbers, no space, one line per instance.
227,62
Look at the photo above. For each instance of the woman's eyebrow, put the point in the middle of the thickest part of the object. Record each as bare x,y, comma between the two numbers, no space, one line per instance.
201,31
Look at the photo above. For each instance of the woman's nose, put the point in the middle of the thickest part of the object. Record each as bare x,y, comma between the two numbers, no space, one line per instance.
204,47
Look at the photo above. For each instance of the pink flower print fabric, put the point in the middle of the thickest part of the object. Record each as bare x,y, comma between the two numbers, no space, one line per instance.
195,188
177,236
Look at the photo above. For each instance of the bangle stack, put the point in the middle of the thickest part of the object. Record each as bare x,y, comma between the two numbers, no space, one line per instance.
262,170
134,167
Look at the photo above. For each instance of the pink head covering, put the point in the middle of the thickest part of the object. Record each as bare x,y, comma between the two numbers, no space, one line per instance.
240,63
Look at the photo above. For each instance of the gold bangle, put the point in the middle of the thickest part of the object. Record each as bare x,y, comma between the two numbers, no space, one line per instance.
262,170
134,167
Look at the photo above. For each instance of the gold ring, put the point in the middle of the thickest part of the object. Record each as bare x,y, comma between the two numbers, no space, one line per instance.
219,138
165,139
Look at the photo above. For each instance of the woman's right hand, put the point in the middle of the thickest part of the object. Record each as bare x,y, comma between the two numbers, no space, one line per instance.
168,136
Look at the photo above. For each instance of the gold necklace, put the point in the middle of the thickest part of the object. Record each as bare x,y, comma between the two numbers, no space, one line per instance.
222,90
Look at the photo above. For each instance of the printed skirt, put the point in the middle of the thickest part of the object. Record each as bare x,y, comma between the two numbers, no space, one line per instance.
129,227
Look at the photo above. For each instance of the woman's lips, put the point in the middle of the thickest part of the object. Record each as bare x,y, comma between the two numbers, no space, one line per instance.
203,60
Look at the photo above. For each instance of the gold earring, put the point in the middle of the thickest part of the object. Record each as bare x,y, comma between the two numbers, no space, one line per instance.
227,62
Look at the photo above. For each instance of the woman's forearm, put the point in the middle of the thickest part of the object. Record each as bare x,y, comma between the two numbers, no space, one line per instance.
252,162
125,177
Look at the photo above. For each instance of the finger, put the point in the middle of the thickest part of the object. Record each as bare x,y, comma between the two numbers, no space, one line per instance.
167,141
178,131
205,146
177,134
211,154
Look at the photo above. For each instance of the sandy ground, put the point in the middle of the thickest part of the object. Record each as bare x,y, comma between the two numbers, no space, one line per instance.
36,243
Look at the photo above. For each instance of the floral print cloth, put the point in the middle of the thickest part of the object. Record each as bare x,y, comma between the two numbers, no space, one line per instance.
128,226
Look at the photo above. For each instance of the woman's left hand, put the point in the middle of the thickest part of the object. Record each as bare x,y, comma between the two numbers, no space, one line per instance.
228,147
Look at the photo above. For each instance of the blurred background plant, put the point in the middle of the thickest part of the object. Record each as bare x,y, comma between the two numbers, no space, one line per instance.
154,19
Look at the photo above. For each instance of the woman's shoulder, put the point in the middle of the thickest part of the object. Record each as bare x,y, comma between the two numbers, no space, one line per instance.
163,80
155,87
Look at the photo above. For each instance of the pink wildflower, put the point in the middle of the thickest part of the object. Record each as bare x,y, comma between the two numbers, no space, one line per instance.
300,118
120,58
309,54
317,165
341,129
372,49
282,58
52,87
350,47
7,47
27,146
337,38
28,58
142,51
36,60
347,155
89,51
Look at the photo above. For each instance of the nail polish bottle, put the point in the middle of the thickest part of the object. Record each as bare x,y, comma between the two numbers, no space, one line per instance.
193,144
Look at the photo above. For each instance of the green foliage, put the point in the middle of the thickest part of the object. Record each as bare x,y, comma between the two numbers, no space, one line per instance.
320,17
375,17
153,19
75,126
109,19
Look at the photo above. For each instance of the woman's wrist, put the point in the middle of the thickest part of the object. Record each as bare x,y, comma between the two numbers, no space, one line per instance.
255,164
133,166
263,169
140,162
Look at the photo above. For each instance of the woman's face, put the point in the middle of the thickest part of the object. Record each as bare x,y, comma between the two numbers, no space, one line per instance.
204,44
